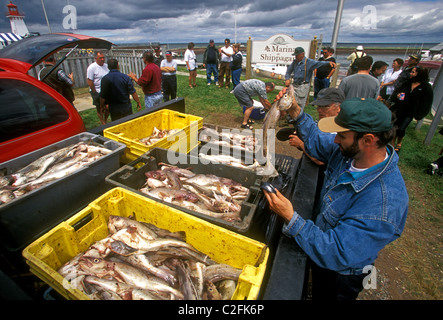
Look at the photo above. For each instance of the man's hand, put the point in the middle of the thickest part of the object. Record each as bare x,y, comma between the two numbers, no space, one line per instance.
132,76
280,205
280,94
295,109
295,141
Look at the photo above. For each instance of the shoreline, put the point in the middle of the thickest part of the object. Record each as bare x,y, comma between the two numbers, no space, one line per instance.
339,50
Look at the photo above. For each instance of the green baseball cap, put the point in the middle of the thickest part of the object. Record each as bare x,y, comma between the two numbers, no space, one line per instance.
359,115
298,50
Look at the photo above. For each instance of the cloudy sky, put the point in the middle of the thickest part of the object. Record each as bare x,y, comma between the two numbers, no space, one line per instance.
138,21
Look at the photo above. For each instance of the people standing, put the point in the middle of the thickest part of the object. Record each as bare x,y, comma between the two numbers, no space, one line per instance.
236,65
323,74
378,69
169,78
226,53
354,57
300,71
158,57
95,72
150,81
413,100
210,62
58,79
363,202
116,87
244,92
389,79
405,75
361,84
191,64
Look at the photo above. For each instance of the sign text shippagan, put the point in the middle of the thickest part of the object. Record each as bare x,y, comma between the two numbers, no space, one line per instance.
278,49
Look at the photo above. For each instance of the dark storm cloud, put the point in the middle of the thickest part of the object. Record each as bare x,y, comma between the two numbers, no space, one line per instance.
131,20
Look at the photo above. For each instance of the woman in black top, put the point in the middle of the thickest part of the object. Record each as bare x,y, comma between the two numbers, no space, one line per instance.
236,64
413,100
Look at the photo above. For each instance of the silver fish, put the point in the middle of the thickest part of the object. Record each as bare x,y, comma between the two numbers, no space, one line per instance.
142,261
189,289
226,288
6,196
211,292
142,245
270,122
218,272
171,195
117,223
126,274
123,290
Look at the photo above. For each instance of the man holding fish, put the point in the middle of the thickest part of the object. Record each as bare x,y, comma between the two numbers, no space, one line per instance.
300,70
363,202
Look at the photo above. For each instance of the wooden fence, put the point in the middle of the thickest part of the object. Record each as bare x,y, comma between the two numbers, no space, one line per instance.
130,60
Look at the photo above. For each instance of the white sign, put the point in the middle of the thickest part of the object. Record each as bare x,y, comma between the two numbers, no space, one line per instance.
278,49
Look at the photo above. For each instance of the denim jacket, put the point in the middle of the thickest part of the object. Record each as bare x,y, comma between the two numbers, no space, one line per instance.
356,217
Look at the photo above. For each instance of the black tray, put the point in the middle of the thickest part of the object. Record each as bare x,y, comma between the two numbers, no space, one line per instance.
132,177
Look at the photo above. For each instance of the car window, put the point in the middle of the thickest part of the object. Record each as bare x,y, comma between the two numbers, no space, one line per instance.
25,109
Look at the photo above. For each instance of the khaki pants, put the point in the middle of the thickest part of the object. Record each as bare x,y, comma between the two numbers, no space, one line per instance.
301,93
224,69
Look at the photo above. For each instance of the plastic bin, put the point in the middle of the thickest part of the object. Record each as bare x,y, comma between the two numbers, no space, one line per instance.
26,218
132,177
62,243
258,113
132,131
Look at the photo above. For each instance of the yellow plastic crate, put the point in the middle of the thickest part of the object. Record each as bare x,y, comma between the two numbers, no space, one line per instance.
47,254
132,131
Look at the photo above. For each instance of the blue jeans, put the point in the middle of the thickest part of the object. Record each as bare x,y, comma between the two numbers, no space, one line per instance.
211,69
153,100
320,84
236,76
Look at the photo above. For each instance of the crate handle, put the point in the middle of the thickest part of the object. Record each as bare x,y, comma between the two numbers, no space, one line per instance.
82,222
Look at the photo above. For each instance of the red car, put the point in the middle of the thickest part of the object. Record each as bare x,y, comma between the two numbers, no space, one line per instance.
32,114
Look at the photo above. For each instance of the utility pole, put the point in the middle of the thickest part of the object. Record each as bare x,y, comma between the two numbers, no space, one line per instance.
46,16
337,24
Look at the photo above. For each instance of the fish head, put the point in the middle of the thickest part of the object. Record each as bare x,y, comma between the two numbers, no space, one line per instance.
286,100
93,265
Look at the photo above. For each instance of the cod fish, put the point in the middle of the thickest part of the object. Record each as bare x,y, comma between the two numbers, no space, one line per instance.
271,119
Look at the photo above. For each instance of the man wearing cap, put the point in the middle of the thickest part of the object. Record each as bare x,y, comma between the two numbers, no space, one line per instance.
300,70
210,61
363,202
168,67
356,55
328,105
405,75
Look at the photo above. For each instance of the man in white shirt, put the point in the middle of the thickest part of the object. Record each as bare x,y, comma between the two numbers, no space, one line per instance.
389,78
168,67
226,53
95,72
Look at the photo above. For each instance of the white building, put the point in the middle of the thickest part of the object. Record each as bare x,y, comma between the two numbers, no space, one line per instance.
18,25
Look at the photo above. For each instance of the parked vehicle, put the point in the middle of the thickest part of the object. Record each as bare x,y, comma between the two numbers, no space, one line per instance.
32,114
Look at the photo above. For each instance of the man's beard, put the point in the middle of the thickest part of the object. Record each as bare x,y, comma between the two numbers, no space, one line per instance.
351,151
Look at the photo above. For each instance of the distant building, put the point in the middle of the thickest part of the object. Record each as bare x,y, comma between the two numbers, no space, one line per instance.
18,25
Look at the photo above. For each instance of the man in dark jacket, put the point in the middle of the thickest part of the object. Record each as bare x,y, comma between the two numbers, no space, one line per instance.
58,79
115,90
210,61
